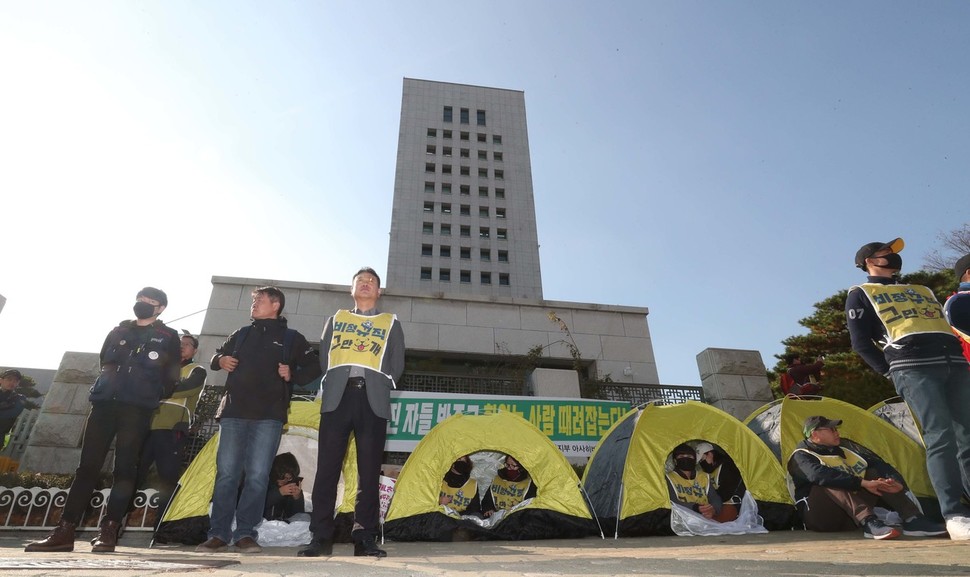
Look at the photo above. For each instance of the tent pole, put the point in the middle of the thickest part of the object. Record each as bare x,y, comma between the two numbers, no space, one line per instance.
158,522
619,503
590,507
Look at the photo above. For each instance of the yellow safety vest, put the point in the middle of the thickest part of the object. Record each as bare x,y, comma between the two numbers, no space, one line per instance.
359,339
508,494
180,409
462,496
905,309
852,463
690,490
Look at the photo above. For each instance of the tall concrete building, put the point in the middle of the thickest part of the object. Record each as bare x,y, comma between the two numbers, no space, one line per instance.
464,219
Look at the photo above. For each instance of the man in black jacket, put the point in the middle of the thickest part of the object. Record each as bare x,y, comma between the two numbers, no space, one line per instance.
263,359
900,331
139,366
836,488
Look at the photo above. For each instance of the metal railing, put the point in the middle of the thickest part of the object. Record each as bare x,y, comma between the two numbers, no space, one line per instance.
37,508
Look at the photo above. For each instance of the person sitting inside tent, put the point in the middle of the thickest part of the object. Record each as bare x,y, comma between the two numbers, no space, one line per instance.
284,496
725,477
511,486
836,488
459,491
692,488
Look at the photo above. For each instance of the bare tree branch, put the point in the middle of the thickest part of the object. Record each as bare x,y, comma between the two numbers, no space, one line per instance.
955,244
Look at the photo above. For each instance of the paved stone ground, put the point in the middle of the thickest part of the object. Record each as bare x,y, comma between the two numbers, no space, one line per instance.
782,554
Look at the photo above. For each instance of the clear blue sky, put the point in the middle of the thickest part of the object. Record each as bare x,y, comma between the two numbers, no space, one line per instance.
717,162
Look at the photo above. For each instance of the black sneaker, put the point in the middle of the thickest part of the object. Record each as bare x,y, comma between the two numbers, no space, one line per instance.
368,548
317,549
923,527
873,528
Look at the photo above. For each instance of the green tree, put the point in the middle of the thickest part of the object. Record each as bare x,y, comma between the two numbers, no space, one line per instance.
846,376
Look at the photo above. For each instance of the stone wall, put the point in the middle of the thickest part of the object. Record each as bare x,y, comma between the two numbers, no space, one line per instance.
54,445
733,380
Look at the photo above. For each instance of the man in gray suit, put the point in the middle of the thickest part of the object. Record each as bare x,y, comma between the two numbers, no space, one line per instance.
362,355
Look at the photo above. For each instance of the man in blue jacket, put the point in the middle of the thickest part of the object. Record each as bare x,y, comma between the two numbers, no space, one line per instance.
900,331
139,366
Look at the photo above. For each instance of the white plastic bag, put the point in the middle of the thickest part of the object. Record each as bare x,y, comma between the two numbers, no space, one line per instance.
688,523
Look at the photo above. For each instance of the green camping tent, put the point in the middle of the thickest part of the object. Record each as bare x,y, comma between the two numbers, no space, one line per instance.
187,518
625,478
557,511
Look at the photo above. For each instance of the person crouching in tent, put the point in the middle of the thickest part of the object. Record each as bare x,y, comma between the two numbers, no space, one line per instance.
725,477
511,485
284,495
459,491
692,488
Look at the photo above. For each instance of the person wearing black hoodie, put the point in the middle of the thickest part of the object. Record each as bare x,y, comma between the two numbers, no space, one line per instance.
264,360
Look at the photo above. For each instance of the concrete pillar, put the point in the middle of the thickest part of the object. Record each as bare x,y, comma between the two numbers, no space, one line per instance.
733,380
54,445
553,383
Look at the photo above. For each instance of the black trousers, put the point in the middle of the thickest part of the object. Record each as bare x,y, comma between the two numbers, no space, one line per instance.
831,509
162,447
127,426
353,415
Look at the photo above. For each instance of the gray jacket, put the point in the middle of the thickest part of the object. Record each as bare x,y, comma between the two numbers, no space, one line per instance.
379,384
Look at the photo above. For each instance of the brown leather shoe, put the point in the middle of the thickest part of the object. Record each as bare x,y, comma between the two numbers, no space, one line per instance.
61,539
248,545
107,538
212,545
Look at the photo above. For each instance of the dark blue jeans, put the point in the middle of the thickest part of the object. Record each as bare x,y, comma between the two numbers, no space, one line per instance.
126,425
246,449
939,397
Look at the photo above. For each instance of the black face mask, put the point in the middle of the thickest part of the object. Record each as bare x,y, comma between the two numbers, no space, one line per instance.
893,261
144,310
462,467
685,463
707,467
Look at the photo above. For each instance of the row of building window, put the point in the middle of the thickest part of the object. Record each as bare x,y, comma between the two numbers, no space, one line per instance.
465,136
463,190
464,276
465,231
447,115
431,167
464,209
448,151
464,253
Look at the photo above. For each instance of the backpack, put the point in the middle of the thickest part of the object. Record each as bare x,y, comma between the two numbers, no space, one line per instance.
786,383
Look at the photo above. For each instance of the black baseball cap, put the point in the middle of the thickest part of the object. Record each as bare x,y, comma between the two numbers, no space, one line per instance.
819,422
872,248
11,373
961,266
